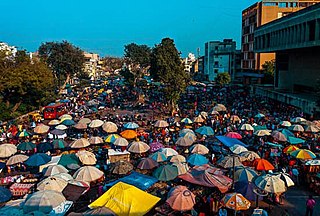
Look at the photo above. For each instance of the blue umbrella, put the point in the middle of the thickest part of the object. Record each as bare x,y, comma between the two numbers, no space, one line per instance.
38,159
68,122
287,133
5,194
244,174
44,147
295,140
205,130
229,142
197,160
25,146
131,125
259,115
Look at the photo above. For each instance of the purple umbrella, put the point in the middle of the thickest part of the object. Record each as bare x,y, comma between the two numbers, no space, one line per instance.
155,146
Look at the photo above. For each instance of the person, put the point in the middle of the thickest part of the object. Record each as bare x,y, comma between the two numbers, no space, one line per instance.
310,204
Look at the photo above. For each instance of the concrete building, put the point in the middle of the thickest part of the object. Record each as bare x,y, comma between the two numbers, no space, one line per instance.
259,14
295,40
219,58
92,65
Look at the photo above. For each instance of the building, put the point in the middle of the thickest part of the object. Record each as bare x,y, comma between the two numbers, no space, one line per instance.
259,14
219,57
92,65
295,40
9,51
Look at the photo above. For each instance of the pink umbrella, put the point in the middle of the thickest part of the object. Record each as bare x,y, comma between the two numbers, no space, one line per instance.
155,146
234,135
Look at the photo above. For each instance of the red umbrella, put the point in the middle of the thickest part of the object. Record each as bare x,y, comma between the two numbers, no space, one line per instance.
181,198
262,164
234,135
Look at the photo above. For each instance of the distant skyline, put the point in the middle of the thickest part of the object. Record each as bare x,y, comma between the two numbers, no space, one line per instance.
105,27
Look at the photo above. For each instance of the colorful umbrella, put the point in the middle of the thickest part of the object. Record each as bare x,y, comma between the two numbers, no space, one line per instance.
121,142
80,143
138,147
166,172
159,156
290,149
270,183
234,135
197,160
244,174
38,159
161,124
303,154
180,198
15,159
110,127
131,125
23,133
247,127
6,150
185,131
199,149
129,134
88,174
262,164
147,164
111,138
186,121
205,130
235,201
59,144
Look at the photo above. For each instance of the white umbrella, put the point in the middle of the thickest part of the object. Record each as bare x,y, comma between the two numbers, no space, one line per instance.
161,124
297,128
85,121
86,157
96,123
88,174
61,127
138,147
286,178
6,150
237,149
247,127
270,183
15,159
55,169
54,122
121,142
65,116
52,183
110,127
80,143
169,152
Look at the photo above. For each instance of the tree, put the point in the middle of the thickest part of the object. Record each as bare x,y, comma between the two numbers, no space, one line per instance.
223,78
268,69
167,67
65,60
111,64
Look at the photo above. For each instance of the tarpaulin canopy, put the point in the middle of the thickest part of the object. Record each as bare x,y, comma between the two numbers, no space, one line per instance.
136,179
124,200
227,141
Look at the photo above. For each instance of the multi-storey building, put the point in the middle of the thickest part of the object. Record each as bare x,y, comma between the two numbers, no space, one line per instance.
259,14
91,64
219,57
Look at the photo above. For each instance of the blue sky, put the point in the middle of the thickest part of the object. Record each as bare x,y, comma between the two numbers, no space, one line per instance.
105,26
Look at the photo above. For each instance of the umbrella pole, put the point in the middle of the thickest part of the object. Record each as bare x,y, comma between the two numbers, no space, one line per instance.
233,171
257,200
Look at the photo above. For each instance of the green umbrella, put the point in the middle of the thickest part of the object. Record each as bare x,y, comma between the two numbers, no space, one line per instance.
67,159
59,144
25,146
295,140
166,172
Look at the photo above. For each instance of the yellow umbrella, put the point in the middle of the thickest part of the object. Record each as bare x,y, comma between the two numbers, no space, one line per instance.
112,138
138,147
235,201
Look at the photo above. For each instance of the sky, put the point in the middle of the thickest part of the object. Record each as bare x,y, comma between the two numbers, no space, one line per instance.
105,26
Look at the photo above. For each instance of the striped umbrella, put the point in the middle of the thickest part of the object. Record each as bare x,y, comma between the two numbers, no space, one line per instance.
112,138
186,121
303,154
159,156
244,174
290,149
270,183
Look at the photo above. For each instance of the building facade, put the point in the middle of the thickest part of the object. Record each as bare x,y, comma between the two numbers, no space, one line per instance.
92,65
219,58
259,14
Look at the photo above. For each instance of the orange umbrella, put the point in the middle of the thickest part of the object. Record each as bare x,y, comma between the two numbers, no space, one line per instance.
290,149
129,134
262,164
181,198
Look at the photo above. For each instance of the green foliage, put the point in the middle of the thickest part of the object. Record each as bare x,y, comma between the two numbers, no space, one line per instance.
268,68
167,67
138,54
65,59
129,77
223,78
112,63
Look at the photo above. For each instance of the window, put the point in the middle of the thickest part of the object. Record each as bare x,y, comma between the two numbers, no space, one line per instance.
282,4
216,70
269,4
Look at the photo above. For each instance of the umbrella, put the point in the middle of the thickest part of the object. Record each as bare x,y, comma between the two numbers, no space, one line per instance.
44,201
64,176
214,112
111,138
296,128
41,129
182,168
166,173
190,136
285,123
96,140
277,135
147,164
54,122
244,174
199,149
169,152
234,135
178,159
270,183
219,108
96,123
67,159
25,146
80,143
259,115
155,146
197,160
159,156
312,129
75,189
204,114
298,120
295,140
237,149
44,147
5,194
180,198
286,178
121,142
161,124
121,167
198,119
129,134
99,211
131,125
68,122
235,201
235,118
110,127
290,149
184,141
86,157
38,159
186,121
88,174
185,131
84,121
313,162
55,169
249,155
59,144
287,133
61,127
65,116
138,147
262,133
262,164
57,132
80,126
230,162
303,154
247,127
6,150
52,183
23,133
205,130
15,159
